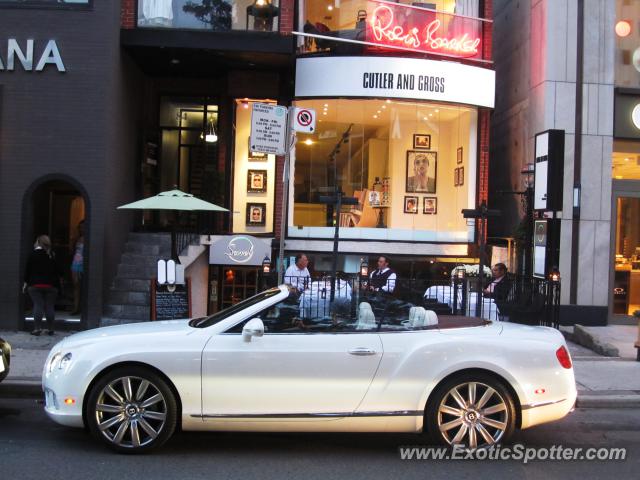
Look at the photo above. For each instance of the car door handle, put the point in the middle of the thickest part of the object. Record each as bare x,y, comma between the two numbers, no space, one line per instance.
362,351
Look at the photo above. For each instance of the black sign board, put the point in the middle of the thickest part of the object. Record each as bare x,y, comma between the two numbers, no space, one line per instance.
166,305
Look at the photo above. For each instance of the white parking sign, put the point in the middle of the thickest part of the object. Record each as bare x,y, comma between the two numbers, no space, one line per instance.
304,120
268,128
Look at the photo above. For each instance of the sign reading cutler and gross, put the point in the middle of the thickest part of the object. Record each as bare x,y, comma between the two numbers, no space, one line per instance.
268,128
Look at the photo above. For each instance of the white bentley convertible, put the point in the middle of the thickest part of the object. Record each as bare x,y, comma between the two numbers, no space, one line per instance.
265,365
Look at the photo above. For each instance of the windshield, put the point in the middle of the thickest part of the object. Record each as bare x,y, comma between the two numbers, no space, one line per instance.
205,322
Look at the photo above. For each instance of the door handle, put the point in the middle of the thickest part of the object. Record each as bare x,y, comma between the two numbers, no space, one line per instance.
362,351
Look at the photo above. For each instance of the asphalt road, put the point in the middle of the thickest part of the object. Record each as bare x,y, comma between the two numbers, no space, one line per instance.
32,447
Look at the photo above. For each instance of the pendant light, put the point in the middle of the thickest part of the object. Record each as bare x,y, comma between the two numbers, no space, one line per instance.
211,136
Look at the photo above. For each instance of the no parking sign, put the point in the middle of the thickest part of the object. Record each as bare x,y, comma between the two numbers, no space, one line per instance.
304,120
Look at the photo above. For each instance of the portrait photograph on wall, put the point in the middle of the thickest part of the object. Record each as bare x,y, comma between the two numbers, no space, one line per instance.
256,181
461,176
256,214
256,156
410,204
421,171
459,155
421,141
430,206
456,177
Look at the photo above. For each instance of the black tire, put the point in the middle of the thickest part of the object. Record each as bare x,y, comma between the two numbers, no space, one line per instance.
5,352
480,418
136,427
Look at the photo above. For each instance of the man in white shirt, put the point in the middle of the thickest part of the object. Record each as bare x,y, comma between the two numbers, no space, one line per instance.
298,274
383,279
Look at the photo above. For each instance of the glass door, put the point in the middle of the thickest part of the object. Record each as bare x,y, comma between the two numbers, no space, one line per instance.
626,282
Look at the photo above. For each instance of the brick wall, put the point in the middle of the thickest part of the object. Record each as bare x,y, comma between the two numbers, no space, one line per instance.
128,14
487,30
278,209
484,124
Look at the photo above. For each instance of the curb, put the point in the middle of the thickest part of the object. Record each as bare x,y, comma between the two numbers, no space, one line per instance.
608,401
21,388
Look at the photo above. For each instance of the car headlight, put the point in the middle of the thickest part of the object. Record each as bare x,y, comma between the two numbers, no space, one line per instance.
59,361
53,362
65,361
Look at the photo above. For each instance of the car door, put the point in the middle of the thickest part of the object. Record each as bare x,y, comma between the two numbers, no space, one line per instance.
301,367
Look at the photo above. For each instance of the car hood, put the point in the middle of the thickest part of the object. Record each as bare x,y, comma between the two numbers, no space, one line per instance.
146,329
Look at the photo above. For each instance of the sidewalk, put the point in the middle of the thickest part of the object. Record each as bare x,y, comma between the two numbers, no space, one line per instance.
603,382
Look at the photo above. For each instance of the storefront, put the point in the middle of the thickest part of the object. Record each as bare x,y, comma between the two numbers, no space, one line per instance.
398,133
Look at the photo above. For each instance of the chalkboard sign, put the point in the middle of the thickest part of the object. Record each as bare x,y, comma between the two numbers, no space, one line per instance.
166,305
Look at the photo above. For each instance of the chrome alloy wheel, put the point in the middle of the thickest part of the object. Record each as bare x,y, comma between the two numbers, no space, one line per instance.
130,412
472,414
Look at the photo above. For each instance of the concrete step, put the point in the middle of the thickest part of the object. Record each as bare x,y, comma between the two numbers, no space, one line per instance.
131,312
145,249
137,272
139,259
132,284
150,238
124,297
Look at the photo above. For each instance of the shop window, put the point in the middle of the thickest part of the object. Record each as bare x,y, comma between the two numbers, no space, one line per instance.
408,169
46,3
254,178
626,289
214,15
626,165
351,20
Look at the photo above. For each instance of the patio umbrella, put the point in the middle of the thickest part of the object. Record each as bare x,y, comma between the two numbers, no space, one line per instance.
173,200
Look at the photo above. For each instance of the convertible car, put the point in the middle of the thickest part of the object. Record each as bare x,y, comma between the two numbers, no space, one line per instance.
266,365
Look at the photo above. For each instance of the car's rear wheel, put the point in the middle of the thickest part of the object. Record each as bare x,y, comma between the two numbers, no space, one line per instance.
473,410
132,410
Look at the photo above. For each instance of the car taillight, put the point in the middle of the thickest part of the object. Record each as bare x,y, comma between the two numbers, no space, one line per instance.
563,357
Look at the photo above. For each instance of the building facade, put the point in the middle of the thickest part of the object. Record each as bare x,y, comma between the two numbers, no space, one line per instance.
141,97
571,65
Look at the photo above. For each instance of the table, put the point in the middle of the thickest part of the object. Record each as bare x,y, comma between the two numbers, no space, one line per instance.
445,294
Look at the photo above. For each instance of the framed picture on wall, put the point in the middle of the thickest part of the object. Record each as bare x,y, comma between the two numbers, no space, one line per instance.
430,205
421,141
256,214
456,180
421,171
459,155
255,156
461,176
411,205
256,181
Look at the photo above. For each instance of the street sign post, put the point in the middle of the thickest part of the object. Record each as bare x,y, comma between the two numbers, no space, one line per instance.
268,129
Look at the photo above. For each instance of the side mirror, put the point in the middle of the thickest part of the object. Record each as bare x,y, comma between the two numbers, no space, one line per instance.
253,328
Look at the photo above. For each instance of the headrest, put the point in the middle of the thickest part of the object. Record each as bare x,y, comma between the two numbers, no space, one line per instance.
431,318
365,306
366,321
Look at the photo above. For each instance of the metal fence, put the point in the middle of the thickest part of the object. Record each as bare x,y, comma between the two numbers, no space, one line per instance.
526,300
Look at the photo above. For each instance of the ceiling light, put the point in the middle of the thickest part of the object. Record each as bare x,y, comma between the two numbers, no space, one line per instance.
388,101
437,110
375,116
384,106
308,141
431,114
324,113
330,8
326,105
378,111
425,119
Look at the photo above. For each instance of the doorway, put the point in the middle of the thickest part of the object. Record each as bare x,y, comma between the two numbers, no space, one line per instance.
625,295
58,209
231,284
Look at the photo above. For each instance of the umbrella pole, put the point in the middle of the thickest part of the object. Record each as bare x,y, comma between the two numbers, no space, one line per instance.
174,247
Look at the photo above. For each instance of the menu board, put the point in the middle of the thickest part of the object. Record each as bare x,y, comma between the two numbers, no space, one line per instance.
167,305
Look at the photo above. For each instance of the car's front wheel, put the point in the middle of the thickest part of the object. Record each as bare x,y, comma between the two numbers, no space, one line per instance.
132,410
472,410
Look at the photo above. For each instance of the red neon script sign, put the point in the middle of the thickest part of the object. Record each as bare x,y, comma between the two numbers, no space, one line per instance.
421,30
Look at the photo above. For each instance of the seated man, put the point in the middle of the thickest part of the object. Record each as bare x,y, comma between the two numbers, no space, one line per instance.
499,288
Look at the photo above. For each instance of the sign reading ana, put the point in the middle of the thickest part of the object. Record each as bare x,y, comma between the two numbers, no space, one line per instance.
268,128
